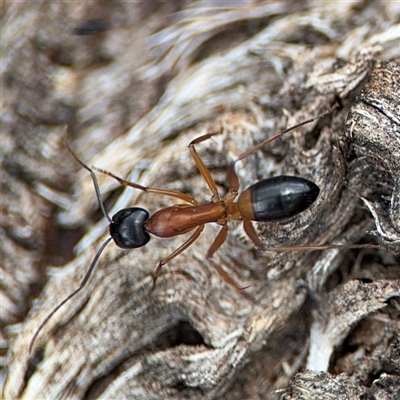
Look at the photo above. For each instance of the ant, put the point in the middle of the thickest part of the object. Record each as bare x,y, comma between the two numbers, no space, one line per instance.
271,199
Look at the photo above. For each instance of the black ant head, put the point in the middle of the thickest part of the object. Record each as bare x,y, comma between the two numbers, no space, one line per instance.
127,228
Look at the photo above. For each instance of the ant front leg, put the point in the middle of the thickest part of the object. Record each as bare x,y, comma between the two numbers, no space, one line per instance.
178,251
171,193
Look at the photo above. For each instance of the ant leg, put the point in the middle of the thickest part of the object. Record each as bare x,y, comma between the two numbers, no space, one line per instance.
178,251
171,193
277,135
252,234
218,241
319,247
226,277
232,177
233,182
202,168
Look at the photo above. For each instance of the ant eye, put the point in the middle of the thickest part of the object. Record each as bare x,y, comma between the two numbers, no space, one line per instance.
127,228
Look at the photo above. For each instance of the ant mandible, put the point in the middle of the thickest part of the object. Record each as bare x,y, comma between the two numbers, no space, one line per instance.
271,199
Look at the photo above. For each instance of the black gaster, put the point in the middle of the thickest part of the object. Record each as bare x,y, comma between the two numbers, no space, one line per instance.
127,228
282,197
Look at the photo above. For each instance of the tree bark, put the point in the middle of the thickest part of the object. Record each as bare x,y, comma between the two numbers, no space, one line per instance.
309,324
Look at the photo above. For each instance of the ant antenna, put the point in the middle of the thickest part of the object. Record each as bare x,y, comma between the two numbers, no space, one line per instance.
70,296
92,174
96,258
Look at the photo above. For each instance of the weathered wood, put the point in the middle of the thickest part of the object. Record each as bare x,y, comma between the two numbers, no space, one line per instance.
195,336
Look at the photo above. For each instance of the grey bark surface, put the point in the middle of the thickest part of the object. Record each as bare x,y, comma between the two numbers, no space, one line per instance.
309,324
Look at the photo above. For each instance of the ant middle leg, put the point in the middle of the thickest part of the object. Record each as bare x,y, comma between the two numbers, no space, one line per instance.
218,242
202,168
252,234
232,179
